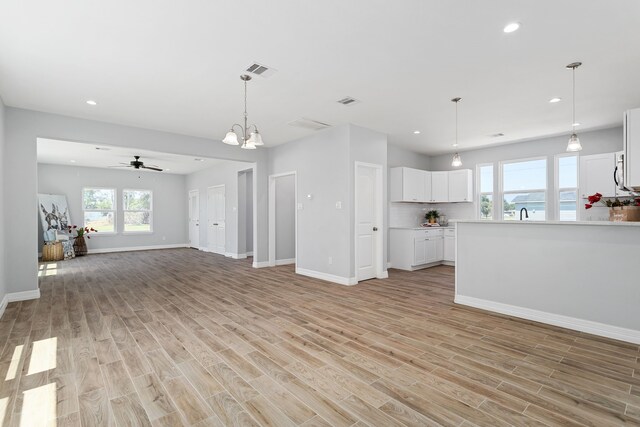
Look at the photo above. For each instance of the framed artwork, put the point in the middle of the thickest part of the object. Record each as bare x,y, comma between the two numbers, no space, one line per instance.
54,212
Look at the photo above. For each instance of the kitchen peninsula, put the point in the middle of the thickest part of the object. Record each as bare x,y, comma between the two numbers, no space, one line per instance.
580,275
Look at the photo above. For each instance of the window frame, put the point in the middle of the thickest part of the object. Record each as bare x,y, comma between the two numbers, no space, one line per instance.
124,211
114,210
556,185
502,193
480,193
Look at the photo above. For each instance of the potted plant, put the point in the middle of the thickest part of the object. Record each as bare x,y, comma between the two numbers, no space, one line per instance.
79,244
432,216
627,209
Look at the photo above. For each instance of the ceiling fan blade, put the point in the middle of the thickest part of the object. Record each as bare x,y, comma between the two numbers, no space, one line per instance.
152,168
121,166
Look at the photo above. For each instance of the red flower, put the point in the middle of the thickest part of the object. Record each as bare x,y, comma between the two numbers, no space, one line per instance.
88,237
92,229
75,226
587,205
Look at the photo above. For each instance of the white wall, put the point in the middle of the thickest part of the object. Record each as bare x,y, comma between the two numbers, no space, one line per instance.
220,174
169,202
594,142
3,204
23,127
285,221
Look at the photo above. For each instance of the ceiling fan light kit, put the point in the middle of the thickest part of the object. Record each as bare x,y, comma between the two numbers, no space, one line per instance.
250,139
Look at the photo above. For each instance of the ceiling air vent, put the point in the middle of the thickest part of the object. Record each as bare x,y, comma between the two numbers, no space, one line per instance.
348,101
309,124
497,135
260,70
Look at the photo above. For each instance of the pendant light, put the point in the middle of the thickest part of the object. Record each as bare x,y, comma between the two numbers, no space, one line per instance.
250,140
574,141
456,162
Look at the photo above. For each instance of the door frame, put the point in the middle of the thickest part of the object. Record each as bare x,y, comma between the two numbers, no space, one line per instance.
272,215
225,219
381,272
194,191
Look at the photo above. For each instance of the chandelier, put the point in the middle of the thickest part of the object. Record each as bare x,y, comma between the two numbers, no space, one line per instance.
574,141
456,162
250,140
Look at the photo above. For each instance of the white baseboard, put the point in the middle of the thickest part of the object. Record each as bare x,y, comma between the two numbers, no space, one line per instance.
235,256
202,248
328,277
17,296
389,265
137,248
383,275
250,253
588,326
260,264
285,261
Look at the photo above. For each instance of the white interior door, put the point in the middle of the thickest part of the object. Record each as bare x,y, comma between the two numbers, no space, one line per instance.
216,219
368,221
194,219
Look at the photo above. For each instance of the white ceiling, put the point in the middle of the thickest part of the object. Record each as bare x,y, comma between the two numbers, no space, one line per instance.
68,153
174,66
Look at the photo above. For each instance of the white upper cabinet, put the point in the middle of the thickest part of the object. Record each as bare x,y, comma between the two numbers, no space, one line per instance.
461,185
596,175
427,186
407,185
440,186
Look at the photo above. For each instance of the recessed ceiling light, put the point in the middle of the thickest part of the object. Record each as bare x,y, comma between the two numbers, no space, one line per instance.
92,102
554,100
511,27
167,169
417,132
199,160
102,148
72,161
576,124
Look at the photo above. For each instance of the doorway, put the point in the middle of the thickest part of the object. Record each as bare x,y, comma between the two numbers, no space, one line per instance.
245,214
216,238
194,219
368,221
283,219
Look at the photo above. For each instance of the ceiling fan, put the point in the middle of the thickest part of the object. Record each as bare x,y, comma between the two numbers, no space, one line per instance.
137,164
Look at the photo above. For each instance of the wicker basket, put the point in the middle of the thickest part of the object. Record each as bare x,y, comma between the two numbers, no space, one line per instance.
624,213
52,251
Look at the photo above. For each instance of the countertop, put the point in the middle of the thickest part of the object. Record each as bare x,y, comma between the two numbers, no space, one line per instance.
570,223
422,228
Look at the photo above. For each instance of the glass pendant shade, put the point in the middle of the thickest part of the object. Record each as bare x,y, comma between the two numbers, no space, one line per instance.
248,145
257,138
231,138
457,161
574,143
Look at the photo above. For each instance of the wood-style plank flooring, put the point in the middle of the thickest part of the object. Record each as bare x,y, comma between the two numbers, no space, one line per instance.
181,337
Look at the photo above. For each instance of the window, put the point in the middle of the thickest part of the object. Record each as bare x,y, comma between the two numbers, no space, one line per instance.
524,185
138,211
99,209
485,180
567,187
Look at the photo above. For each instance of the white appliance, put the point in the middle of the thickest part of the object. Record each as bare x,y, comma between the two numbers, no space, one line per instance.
627,173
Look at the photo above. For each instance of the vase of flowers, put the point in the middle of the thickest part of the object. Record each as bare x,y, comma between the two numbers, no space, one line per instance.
626,209
79,244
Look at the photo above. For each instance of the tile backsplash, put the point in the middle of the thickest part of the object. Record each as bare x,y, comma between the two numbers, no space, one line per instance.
407,214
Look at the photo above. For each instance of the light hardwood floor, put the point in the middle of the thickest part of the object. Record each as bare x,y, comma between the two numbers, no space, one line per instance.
180,337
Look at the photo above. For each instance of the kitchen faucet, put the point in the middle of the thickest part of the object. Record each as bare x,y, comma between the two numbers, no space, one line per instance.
526,213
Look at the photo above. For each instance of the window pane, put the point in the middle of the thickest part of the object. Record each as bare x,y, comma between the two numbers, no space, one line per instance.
568,172
568,206
486,206
137,221
527,175
486,179
135,200
534,202
98,198
101,221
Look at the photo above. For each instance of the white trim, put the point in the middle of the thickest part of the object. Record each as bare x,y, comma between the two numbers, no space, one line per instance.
124,211
383,275
196,193
285,261
232,255
17,296
260,264
272,215
224,221
379,240
114,210
588,326
328,277
137,248
201,248
250,253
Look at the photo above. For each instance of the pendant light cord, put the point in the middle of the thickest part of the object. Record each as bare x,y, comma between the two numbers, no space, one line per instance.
573,123
456,126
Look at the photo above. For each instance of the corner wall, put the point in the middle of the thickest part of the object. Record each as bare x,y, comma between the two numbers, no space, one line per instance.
3,207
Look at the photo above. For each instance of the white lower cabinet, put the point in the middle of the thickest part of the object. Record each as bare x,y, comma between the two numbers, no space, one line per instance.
411,249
